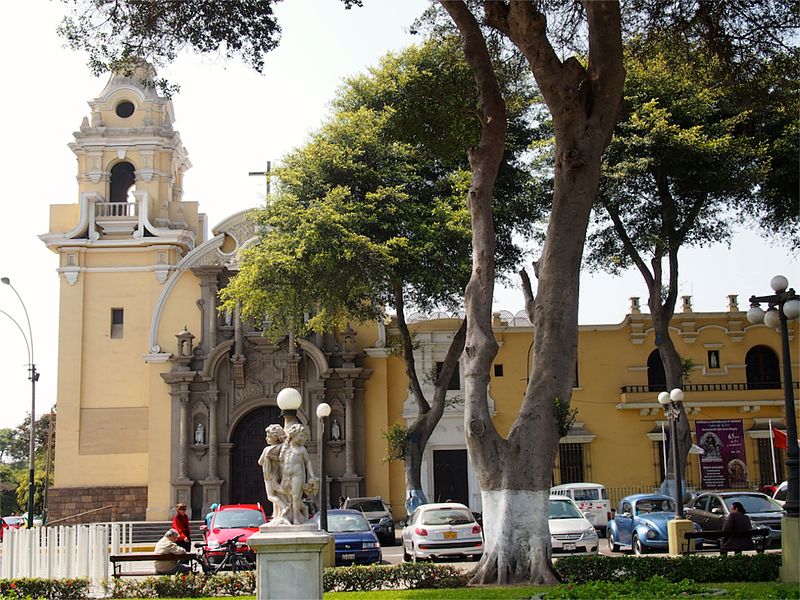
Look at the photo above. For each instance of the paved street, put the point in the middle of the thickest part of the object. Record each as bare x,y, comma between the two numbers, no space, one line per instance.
393,555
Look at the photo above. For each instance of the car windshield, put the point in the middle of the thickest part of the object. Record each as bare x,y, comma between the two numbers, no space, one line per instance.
447,516
753,503
655,505
368,506
563,509
13,520
233,518
586,494
342,523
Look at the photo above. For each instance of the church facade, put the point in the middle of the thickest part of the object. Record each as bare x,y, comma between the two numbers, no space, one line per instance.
163,399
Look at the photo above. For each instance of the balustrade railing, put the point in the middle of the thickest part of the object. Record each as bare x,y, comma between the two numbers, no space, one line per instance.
115,209
707,387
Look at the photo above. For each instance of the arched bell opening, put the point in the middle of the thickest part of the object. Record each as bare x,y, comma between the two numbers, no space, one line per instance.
123,182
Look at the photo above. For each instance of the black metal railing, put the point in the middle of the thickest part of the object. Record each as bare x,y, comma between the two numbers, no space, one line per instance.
707,387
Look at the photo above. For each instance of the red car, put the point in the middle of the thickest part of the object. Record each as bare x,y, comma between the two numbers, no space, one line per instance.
3,527
228,521
15,522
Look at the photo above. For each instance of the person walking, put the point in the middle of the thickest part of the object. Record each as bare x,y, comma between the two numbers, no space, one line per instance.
737,521
180,523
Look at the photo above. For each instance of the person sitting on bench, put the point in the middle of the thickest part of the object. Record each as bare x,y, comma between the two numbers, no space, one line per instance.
167,545
736,521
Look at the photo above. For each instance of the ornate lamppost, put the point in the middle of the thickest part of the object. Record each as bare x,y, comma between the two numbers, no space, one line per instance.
672,409
782,306
323,412
33,375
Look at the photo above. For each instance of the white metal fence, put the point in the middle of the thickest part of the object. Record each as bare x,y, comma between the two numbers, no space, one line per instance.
64,551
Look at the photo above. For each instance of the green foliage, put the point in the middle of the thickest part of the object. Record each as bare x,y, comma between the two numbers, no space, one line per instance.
687,364
396,437
185,585
371,212
565,416
112,32
422,575
51,589
680,160
700,569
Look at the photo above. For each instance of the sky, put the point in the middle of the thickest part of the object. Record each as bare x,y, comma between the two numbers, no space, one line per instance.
232,121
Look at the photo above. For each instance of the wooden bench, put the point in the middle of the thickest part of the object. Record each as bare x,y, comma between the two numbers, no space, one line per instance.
760,537
118,559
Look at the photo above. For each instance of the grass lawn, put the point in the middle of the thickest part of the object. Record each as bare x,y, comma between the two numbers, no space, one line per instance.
738,591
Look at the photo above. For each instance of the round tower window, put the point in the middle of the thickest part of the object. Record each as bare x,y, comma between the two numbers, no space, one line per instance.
125,109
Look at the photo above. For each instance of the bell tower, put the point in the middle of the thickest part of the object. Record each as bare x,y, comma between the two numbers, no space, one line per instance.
118,246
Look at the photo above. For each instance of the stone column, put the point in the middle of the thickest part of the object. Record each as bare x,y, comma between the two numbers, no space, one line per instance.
213,395
183,436
349,443
209,286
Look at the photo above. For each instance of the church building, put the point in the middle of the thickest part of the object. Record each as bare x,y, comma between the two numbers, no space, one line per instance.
163,399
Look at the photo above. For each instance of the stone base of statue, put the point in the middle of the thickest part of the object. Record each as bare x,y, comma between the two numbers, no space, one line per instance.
288,561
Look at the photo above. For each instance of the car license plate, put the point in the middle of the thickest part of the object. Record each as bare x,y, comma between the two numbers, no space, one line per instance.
450,535
569,546
348,556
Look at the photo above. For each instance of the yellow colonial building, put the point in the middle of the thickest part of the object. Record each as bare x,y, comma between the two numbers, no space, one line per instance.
163,399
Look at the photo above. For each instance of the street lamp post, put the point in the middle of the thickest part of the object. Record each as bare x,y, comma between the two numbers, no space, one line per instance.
34,377
784,305
323,412
672,409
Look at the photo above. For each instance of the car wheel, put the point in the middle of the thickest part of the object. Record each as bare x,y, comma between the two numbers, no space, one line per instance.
406,555
638,547
413,554
612,544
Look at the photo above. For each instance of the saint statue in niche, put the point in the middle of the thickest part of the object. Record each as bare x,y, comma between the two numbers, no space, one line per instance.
336,431
200,434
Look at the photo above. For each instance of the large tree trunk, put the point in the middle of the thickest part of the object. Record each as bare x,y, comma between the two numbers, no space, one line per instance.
673,369
515,474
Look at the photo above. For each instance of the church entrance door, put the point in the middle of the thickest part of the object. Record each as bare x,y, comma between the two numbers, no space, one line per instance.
247,480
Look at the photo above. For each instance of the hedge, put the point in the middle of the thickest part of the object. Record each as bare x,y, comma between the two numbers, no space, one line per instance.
700,569
51,589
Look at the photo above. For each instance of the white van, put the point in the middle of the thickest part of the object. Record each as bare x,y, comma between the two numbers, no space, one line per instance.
591,498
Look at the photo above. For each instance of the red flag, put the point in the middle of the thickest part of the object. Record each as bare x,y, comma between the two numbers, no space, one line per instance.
779,438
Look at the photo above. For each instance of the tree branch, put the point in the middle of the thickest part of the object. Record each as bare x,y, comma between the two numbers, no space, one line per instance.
408,351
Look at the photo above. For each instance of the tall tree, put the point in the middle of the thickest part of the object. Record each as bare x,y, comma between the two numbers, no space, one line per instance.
370,213
514,473
680,168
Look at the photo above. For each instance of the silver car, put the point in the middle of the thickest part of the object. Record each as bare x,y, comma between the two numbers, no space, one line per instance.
443,529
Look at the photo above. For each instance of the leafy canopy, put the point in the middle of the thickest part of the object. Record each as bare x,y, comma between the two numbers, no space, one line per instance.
370,212
681,165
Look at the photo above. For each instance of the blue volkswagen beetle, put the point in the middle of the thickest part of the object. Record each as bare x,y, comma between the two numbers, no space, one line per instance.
641,523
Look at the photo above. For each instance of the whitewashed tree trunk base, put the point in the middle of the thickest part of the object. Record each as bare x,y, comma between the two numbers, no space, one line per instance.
517,546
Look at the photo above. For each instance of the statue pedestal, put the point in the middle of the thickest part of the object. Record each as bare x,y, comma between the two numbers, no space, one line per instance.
288,561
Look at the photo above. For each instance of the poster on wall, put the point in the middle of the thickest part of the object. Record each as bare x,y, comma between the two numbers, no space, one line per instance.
723,465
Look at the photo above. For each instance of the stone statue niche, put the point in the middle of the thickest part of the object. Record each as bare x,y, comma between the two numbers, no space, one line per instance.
288,474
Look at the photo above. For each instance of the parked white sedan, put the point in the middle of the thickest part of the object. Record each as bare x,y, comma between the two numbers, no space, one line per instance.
443,529
570,531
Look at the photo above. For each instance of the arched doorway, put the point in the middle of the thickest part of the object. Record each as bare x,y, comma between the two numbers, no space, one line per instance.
247,480
761,368
656,377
